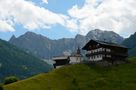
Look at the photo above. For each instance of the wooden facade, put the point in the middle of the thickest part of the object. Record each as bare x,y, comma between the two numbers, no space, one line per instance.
101,50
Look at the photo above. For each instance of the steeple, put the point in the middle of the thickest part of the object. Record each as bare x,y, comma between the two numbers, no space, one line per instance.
78,51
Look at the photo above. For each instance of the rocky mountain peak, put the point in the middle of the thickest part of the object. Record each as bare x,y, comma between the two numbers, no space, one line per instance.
97,30
13,37
79,36
30,34
98,34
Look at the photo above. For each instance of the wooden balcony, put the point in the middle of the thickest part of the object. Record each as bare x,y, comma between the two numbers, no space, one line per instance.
107,53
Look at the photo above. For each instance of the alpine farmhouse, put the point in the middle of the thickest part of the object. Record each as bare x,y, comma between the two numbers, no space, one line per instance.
105,51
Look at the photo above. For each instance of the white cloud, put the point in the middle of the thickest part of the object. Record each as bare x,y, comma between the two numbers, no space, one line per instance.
4,26
116,15
45,1
72,25
28,15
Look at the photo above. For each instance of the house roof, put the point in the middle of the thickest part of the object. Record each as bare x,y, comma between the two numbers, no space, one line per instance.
60,58
104,43
111,44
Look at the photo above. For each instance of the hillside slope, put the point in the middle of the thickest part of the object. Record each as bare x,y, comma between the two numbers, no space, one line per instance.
82,77
14,61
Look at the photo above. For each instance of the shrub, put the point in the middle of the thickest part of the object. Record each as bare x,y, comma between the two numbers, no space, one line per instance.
1,87
10,79
74,82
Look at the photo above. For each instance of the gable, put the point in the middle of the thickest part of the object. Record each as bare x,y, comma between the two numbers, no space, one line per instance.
90,44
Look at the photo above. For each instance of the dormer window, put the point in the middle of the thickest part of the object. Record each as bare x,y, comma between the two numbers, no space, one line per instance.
97,45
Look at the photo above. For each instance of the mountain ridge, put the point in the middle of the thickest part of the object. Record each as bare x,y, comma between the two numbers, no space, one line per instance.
43,47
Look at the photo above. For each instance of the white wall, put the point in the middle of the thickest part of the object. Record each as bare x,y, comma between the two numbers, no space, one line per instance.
74,60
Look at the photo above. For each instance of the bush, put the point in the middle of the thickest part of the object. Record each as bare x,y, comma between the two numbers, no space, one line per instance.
74,82
10,79
1,87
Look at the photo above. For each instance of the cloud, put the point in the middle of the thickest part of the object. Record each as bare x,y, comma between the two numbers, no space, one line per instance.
72,25
115,15
29,15
4,27
45,1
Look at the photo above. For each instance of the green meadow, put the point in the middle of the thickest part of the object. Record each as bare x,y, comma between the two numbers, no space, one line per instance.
82,77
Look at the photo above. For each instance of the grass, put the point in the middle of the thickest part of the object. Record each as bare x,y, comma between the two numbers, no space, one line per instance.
82,77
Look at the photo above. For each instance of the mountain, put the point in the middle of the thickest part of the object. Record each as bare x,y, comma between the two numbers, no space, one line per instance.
15,62
131,44
82,77
109,36
44,47
31,42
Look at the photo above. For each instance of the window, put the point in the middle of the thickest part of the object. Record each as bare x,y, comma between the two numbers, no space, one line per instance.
108,56
89,51
103,49
100,56
108,50
100,49
97,45
97,56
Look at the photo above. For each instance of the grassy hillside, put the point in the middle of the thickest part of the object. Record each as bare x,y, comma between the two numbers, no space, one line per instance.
15,62
82,77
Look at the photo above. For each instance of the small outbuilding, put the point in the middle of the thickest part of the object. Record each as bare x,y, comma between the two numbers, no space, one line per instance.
74,58
60,61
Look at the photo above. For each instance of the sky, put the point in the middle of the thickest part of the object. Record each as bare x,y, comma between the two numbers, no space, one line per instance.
65,18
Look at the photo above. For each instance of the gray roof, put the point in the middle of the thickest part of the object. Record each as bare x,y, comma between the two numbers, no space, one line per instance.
105,43
60,58
110,44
